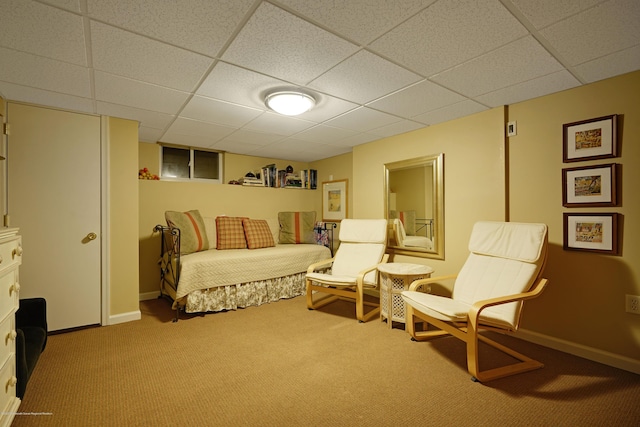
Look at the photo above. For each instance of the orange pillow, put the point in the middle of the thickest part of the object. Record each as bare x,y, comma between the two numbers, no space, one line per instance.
257,233
193,236
230,233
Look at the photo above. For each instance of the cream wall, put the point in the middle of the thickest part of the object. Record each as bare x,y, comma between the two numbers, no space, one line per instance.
123,219
489,178
585,300
474,175
156,197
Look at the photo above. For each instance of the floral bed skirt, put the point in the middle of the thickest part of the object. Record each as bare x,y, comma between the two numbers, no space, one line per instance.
245,294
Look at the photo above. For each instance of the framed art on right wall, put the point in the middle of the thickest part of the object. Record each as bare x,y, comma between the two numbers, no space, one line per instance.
590,186
590,139
591,232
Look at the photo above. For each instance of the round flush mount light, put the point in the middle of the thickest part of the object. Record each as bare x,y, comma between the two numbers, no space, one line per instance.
289,103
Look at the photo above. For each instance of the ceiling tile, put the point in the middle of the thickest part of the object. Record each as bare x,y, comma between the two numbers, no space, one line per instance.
42,30
326,108
403,126
44,97
448,33
42,73
295,50
227,82
324,134
151,119
417,99
604,29
118,52
450,112
250,137
359,20
541,86
363,78
133,93
204,26
224,113
196,72
146,134
71,5
517,62
542,13
621,62
195,133
362,119
357,139
277,124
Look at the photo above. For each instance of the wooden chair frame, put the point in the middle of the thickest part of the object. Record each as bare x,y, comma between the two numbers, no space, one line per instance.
469,331
350,292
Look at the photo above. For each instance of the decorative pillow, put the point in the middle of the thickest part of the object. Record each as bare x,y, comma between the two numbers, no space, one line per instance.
297,227
193,236
230,233
257,233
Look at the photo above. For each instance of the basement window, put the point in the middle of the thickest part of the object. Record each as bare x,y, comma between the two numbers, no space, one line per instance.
188,164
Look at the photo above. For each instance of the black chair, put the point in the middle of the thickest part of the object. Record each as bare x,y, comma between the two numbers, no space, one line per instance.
31,339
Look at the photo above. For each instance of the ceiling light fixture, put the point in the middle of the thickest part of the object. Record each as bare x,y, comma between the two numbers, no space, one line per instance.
289,103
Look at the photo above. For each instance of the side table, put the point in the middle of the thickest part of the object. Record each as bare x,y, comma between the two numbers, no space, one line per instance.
396,277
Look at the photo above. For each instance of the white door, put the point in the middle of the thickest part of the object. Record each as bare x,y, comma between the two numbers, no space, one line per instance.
54,198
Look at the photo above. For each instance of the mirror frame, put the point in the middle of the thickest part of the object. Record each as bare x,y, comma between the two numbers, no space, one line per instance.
437,162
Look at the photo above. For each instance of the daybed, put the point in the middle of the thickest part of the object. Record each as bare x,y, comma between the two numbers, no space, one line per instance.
214,264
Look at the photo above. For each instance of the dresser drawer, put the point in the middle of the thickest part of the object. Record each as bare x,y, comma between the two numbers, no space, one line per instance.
8,292
7,338
8,382
10,252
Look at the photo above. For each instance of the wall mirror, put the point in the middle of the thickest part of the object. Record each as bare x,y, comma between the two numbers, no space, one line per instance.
414,206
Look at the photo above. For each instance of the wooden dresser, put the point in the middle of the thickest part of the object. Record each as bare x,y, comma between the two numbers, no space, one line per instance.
10,260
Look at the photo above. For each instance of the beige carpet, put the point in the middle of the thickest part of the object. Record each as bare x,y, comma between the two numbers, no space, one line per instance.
281,365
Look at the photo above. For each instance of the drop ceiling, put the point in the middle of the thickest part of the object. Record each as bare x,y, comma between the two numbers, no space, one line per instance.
195,72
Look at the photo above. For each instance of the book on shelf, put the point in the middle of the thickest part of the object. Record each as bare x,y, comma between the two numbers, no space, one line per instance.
309,178
269,175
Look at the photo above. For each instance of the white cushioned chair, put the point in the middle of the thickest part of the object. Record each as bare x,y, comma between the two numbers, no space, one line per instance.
353,268
503,269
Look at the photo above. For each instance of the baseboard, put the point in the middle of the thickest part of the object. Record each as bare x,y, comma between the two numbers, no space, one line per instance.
590,353
148,295
125,317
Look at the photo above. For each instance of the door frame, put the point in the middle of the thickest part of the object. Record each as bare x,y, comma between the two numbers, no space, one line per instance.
105,288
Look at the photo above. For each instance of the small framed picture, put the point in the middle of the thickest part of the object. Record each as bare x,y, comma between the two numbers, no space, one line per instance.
589,186
590,139
334,200
591,232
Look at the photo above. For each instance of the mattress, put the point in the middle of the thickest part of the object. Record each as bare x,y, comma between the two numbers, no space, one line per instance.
214,268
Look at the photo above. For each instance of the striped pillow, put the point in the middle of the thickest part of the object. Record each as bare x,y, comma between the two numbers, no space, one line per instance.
193,237
297,227
257,233
230,233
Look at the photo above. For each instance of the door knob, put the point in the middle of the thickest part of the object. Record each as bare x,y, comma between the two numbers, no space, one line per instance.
92,236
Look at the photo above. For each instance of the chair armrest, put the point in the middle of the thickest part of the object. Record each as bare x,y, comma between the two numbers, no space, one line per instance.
32,312
421,282
362,273
324,263
478,306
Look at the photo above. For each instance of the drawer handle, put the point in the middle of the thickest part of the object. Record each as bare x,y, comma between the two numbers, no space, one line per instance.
11,335
14,288
11,382
17,251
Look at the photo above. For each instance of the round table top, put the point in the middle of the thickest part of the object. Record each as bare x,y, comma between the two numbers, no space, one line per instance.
404,269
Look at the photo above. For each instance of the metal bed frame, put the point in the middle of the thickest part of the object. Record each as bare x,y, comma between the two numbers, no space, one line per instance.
169,250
